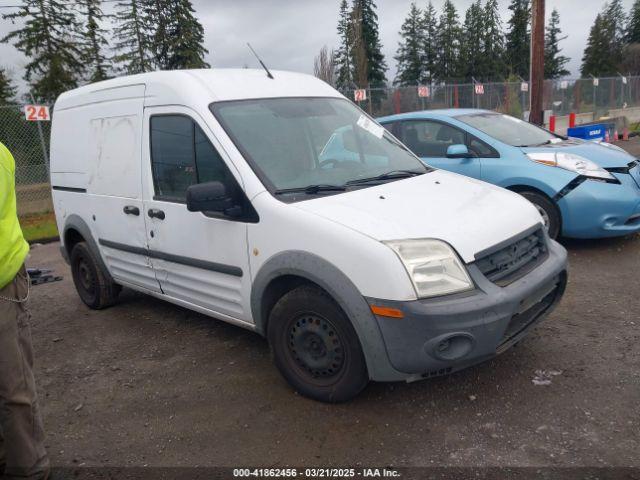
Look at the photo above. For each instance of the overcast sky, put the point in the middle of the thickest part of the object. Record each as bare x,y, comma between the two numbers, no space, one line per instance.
288,34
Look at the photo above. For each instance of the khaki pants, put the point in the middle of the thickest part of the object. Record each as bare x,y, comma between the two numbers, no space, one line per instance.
21,433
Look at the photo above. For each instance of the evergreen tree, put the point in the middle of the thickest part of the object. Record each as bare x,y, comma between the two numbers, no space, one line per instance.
431,46
7,88
368,19
554,63
358,51
472,44
344,65
519,38
187,38
178,37
615,21
410,50
597,59
615,16
132,38
94,41
493,65
48,36
156,14
449,33
633,28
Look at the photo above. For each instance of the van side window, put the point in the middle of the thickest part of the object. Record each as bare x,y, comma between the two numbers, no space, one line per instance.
172,155
181,156
209,164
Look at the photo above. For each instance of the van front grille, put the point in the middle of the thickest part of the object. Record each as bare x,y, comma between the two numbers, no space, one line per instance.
523,320
512,262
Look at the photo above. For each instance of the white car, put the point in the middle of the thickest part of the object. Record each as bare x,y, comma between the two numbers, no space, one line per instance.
225,192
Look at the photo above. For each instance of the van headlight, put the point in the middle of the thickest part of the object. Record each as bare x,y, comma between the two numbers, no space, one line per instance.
433,266
573,163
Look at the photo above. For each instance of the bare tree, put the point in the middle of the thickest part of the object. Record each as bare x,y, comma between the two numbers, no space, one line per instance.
324,66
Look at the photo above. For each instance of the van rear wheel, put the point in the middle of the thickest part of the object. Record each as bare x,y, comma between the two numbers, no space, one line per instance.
548,211
315,346
93,286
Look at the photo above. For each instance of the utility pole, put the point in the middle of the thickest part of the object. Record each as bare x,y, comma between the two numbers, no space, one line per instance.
537,62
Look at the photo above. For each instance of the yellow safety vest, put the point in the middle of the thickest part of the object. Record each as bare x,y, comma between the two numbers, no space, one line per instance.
13,247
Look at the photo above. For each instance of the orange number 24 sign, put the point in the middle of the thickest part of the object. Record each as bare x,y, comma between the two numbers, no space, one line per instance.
37,113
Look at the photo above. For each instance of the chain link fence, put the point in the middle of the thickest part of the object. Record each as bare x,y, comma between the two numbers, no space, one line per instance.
599,96
29,144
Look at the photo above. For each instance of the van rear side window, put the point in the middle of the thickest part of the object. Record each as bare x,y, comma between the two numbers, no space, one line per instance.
181,156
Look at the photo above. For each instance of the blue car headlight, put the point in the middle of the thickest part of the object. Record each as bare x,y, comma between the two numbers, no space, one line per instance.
573,163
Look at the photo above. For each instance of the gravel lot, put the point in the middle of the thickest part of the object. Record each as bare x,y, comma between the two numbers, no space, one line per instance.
149,383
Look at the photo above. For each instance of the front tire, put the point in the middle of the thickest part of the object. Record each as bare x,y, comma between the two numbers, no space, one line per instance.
315,346
93,286
548,211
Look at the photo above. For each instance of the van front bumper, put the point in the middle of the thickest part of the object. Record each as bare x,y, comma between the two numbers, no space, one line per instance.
441,335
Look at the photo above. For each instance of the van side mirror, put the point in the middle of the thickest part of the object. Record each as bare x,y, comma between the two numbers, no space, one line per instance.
458,151
208,197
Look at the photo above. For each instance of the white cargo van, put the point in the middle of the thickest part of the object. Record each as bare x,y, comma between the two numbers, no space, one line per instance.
279,206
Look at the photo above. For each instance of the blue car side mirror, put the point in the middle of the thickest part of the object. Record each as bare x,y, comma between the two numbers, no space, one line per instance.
458,151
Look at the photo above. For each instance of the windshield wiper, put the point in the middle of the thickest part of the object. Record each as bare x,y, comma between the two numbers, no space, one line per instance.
394,174
311,189
546,142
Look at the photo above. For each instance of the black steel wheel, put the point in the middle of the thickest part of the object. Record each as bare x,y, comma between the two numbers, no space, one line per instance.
315,346
93,286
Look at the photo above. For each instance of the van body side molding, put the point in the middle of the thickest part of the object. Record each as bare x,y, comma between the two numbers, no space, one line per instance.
123,247
191,262
69,189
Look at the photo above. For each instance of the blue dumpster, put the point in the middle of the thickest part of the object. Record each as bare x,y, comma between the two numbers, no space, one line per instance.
588,132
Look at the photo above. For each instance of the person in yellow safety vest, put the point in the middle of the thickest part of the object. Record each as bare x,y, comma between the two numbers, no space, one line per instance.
22,452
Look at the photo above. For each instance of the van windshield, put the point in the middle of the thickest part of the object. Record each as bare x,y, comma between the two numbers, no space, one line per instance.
314,144
509,130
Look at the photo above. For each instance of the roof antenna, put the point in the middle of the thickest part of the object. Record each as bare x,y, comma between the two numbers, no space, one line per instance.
261,62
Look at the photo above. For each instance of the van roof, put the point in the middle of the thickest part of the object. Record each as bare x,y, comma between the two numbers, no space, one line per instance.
189,87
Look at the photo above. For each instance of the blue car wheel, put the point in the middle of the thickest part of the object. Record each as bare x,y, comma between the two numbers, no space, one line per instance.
548,212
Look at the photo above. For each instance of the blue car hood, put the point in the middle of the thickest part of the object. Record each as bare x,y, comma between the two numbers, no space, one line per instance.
606,157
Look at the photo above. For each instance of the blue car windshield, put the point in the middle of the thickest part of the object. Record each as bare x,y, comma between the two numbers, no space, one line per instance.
509,130
297,143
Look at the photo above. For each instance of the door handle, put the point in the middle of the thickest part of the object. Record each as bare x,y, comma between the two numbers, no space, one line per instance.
156,213
131,210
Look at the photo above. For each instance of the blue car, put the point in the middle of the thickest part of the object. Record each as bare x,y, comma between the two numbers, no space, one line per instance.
581,189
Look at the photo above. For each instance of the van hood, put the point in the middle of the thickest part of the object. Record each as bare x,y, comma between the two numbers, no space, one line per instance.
470,215
605,155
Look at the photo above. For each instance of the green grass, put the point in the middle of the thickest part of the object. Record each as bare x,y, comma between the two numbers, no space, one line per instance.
39,226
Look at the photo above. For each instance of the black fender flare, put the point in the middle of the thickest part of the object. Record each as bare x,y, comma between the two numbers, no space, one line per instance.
77,223
330,278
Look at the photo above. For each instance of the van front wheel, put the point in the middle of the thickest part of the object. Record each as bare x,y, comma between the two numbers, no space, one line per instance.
315,346
93,286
